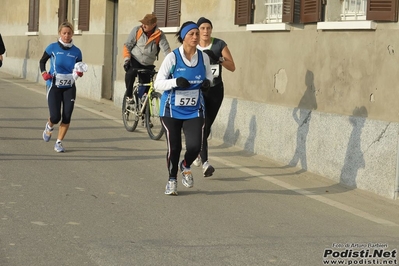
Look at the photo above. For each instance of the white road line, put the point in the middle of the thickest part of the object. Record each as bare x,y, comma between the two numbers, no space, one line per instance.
306,193
270,179
117,120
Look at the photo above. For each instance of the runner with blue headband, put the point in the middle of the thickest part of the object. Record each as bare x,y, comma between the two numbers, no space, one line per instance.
183,76
187,28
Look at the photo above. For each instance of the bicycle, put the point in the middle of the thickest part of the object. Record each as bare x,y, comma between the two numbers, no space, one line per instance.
146,108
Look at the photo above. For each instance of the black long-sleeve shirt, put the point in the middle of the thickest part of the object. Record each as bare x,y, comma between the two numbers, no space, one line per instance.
2,46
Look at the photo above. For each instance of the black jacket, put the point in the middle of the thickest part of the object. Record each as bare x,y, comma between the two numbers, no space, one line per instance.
2,47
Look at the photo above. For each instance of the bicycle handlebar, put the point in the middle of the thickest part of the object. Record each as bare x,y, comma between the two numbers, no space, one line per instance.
145,71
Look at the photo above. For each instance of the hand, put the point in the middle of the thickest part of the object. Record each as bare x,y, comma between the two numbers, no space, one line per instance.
46,76
211,55
182,82
206,84
80,74
126,66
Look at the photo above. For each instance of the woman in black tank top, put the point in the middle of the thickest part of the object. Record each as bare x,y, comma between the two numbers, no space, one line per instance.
220,57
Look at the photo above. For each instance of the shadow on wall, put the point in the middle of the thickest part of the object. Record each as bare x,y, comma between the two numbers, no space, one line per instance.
305,107
250,143
25,63
354,158
230,136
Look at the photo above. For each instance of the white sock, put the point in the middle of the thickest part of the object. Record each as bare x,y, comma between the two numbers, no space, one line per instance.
48,127
58,141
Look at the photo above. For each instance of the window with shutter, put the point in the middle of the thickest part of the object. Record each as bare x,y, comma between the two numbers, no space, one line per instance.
33,21
167,12
288,11
382,10
84,15
173,14
378,10
62,11
310,11
243,12
273,10
160,12
354,10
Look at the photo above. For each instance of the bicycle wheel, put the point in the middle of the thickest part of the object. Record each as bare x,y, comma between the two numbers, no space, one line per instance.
152,119
130,114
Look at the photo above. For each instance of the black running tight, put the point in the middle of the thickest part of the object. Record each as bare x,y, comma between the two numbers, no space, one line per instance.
193,130
61,98
213,100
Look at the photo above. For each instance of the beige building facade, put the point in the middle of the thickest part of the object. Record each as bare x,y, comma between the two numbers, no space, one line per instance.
316,93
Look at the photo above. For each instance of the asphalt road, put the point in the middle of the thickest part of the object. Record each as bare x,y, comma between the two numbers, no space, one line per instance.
102,202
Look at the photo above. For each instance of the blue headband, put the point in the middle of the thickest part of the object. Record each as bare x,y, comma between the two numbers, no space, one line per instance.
186,29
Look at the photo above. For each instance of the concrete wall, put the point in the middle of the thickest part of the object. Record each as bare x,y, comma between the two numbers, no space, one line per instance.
324,101
353,150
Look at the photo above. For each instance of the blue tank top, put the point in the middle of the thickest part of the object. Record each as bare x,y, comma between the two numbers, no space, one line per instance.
185,103
62,62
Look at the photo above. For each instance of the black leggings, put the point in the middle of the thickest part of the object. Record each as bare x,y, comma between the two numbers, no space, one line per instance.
193,131
57,98
131,75
213,101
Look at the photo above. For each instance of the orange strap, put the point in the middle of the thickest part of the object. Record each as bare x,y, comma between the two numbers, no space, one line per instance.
156,36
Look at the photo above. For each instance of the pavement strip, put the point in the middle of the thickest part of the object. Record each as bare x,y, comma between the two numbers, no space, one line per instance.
260,175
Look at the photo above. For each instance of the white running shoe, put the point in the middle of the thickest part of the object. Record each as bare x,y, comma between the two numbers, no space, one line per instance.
129,100
197,162
58,147
47,133
171,187
207,169
187,179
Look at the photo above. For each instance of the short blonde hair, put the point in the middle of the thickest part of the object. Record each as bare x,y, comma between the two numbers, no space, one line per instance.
65,24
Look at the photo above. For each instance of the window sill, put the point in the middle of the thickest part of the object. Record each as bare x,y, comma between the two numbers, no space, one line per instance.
169,29
347,25
32,33
77,32
268,27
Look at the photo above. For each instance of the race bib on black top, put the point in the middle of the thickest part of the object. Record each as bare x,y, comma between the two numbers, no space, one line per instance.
64,81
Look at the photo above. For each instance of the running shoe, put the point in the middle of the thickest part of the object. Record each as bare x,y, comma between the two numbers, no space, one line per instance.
58,147
187,180
197,162
171,187
47,133
129,100
207,169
